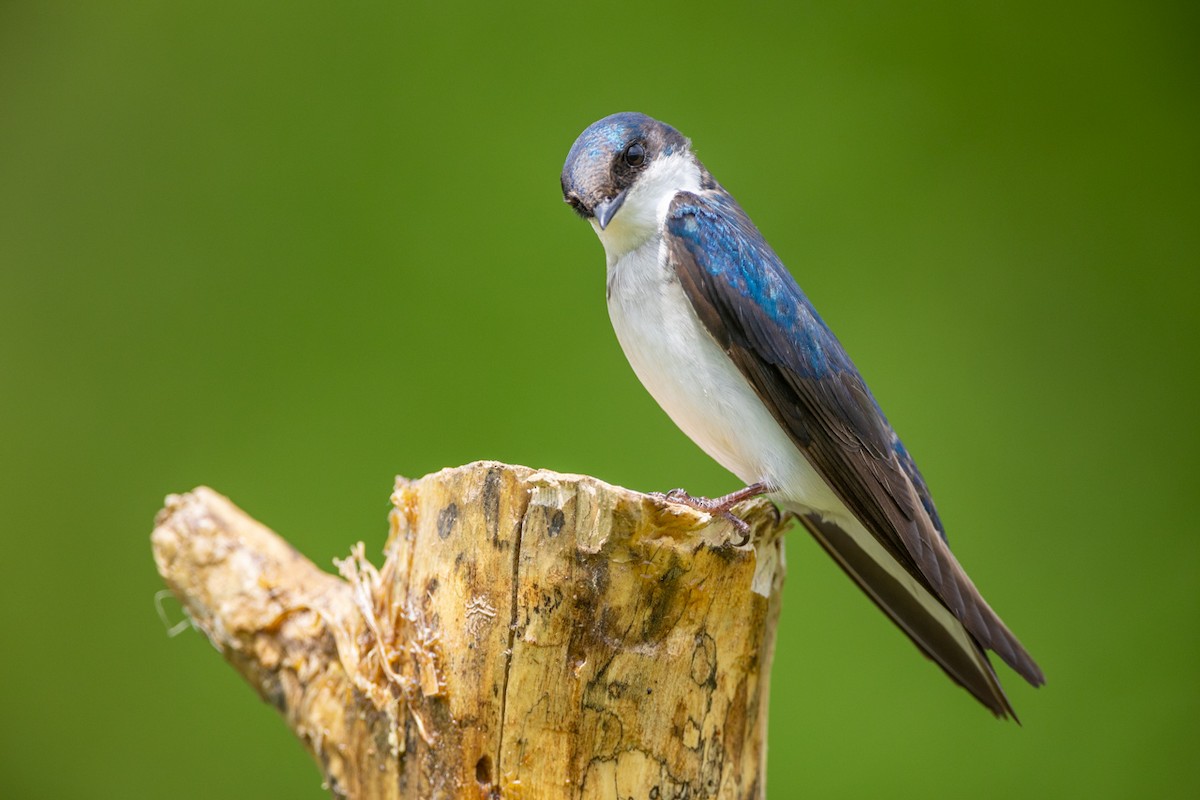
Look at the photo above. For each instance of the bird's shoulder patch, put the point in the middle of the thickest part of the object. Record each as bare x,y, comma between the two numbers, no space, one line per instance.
710,236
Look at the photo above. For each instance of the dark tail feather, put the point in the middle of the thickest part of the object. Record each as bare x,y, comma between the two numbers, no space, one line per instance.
941,637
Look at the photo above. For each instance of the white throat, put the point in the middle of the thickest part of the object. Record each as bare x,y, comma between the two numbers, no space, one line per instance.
641,216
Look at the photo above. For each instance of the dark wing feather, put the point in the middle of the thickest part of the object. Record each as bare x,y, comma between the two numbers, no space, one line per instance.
753,308
953,649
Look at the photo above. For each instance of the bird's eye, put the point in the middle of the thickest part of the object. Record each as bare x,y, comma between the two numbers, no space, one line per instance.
635,154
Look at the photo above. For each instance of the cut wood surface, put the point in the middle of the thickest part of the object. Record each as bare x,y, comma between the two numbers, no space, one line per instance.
529,635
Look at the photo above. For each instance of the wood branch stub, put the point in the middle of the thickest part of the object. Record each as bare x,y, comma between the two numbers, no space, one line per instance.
530,635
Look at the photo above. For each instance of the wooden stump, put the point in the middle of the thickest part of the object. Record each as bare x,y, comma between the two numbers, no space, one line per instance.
530,635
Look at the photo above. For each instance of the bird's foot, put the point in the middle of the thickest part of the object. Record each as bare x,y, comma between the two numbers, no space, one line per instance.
719,506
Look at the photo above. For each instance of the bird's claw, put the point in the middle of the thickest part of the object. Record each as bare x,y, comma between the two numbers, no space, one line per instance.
718,506
739,525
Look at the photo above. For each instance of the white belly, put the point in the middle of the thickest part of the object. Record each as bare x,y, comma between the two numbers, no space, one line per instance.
699,387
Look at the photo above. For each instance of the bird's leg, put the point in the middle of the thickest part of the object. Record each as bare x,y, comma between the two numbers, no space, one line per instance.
719,506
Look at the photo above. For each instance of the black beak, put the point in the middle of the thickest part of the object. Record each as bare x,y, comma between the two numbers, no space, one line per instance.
607,209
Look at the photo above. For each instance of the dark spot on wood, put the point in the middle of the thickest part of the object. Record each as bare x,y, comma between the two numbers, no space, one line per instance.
491,503
483,772
446,519
666,603
726,551
550,601
591,632
556,524
431,586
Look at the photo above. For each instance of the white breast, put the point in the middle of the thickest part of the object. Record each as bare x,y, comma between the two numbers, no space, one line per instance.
677,360
698,385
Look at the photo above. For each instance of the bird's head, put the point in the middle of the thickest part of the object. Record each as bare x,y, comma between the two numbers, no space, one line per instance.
621,174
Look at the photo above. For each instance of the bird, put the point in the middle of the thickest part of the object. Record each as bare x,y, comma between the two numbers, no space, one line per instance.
724,339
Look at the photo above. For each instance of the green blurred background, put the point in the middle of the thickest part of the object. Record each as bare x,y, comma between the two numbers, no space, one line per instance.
289,250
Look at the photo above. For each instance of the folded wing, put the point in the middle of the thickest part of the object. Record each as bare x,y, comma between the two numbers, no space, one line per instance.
755,310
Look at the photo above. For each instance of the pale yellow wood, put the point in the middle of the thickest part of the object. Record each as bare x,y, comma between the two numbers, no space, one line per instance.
530,635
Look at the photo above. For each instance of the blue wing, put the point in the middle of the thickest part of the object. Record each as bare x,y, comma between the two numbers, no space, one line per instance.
755,310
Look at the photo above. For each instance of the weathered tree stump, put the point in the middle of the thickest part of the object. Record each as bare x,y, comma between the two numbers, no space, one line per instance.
530,635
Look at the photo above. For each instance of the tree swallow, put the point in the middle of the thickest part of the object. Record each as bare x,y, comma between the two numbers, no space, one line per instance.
727,343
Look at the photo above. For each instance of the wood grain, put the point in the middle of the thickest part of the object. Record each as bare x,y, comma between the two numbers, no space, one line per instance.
530,635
